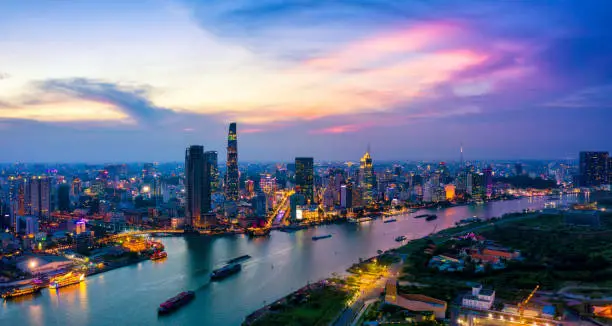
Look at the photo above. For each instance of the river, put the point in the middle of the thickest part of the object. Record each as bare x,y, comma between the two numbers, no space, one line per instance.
280,264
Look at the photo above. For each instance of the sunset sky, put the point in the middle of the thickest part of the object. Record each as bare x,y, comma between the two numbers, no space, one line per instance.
116,80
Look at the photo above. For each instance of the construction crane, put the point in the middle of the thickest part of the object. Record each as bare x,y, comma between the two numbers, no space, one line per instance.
522,304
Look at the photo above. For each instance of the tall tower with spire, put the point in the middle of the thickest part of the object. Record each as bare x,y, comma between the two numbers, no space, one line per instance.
366,177
232,175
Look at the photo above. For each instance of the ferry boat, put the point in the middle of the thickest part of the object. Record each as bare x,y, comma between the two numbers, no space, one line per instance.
225,271
319,237
176,302
21,291
258,232
159,255
431,217
390,220
67,279
239,259
360,220
400,238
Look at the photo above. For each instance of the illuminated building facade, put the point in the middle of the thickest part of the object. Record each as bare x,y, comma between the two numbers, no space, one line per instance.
197,186
232,176
249,186
593,168
366,178
304,177
212,170
267,184
449,191
40,196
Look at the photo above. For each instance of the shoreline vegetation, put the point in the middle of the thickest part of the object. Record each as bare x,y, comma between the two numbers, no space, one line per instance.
277,312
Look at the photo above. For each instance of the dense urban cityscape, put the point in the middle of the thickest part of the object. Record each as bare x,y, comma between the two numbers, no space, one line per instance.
305,163
66,222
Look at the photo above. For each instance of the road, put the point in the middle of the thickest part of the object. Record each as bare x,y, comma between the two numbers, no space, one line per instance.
371,291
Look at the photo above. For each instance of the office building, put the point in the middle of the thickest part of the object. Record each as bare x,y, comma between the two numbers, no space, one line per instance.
232,175
212,170
304,177
488,181
40,196
63,197
346,195
197,187
366,178
593,168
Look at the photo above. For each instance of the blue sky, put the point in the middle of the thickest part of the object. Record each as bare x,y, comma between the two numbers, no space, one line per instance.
102,81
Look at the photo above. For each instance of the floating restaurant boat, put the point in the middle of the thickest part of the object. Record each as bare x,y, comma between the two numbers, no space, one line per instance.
67,279
176,302
225,271
21,291
315,238
258,232
159,255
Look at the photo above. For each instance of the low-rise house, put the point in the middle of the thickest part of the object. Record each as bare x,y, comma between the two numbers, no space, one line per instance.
414,302
480,298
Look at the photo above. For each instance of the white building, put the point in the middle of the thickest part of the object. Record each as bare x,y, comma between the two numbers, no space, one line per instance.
480,298
43,264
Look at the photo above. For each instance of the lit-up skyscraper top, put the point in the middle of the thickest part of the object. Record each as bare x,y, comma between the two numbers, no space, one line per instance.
232,175
366,177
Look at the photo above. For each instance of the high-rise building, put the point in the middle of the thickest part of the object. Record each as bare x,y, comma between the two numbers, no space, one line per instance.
304,177
346,195
197,186
366,178
232,175
488,181
593,168
40,196
63,197
518,168
212,170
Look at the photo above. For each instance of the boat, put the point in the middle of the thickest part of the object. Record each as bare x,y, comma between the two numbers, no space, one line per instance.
239,259
67,279
258,232
176,302
400,238
21,291
225,271
159,255
421,216
431,217
390,220
319,237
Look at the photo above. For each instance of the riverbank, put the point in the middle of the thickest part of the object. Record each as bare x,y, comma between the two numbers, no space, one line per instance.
383,259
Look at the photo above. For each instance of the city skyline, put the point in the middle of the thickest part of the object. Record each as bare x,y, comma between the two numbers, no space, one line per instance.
413,80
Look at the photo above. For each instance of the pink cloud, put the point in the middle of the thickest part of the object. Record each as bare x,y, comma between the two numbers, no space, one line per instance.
413,39
251,130
338,129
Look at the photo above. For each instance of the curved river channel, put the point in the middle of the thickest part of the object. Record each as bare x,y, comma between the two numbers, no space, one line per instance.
279,265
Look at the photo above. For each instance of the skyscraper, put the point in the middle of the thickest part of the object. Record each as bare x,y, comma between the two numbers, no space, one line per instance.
304,177
488,181
593,168
63,197
212,170
366,178
40,193
197,187
231,175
